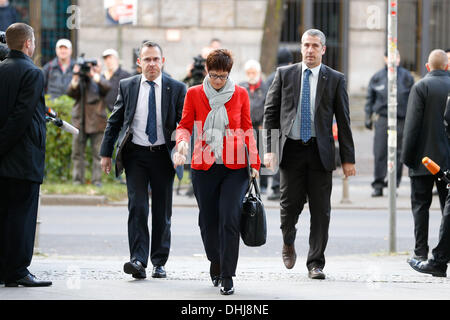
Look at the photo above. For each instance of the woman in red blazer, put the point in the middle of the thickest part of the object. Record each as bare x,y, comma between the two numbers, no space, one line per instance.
221,112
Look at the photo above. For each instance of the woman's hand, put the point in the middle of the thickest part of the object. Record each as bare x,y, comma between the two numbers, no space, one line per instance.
255,173
178,159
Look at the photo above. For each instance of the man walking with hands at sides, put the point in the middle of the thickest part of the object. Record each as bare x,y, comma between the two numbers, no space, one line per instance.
425,136
22,156
146,112
300,105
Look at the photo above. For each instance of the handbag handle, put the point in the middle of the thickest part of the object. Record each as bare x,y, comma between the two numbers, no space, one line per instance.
252,180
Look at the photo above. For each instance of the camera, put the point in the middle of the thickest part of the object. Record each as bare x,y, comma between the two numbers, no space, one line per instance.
85,65
4,50
198,69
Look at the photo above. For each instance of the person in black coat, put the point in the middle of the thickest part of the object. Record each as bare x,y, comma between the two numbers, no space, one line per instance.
22,156
146,113
437,266
425,136
8,15
300,107
376,110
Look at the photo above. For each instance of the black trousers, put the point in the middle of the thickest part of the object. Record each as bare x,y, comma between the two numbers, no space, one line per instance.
303,178
219,193
142,167
19,200
441,253
380,151
421,197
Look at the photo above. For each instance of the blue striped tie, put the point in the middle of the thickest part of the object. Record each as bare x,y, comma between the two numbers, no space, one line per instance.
305,124
150,130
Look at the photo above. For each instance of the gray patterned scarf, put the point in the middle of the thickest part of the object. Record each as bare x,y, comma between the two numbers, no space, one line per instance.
217,122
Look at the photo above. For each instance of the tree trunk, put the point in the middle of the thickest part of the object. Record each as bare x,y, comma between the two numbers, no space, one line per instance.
271,35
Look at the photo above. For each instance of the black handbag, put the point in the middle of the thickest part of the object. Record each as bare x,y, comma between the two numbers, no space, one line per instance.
253,218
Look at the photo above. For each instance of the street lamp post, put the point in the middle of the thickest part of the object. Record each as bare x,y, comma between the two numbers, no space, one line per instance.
392,120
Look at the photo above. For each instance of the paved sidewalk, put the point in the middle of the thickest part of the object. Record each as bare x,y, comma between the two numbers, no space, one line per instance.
356,277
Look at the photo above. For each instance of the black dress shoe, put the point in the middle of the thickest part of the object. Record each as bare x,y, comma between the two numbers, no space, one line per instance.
316,274
227,287
377,192
426,267
29,281
159,272
136,269
214,272
418,258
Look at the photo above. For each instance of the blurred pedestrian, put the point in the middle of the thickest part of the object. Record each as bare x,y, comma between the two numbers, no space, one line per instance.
8,15
219,172
113,73
376,111
284,58
145,115
300,106
59,72
257,90
22,156
89,89
425,136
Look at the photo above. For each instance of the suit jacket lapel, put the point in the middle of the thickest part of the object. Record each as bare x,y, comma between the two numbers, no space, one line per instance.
165,99
297,81
321,84
134,95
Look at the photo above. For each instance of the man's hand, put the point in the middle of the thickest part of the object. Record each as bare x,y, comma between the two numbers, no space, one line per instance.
348,169
255,173
106,165
270,161
368,122
76,75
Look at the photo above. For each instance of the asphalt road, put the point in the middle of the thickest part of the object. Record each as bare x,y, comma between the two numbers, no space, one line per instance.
102,231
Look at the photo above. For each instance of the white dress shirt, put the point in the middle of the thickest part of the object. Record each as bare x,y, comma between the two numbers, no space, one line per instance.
313,80
140,117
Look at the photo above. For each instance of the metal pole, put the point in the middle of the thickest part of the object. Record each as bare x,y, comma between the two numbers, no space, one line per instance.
392,121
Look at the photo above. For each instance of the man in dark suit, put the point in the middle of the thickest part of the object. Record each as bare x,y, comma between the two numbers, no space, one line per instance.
145,114
300,106
425,136
437,266
22,156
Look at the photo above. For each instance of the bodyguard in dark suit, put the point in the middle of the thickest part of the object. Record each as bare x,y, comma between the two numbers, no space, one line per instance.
300,104
22,156
437,266
145,115
425,136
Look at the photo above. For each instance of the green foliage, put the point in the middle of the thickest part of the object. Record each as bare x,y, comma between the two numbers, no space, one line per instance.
59,142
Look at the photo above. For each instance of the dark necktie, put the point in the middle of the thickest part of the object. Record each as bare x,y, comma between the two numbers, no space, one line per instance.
305,124
150,130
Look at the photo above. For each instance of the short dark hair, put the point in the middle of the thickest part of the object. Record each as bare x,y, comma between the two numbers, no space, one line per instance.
150,44
447,50
17,34
220,60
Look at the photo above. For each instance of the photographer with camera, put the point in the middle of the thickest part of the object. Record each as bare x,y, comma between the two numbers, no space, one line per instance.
22,156
3,47
89,89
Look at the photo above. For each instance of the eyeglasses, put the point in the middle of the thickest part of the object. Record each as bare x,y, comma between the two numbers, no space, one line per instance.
216,76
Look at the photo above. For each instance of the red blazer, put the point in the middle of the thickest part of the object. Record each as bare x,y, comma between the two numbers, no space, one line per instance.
196,109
